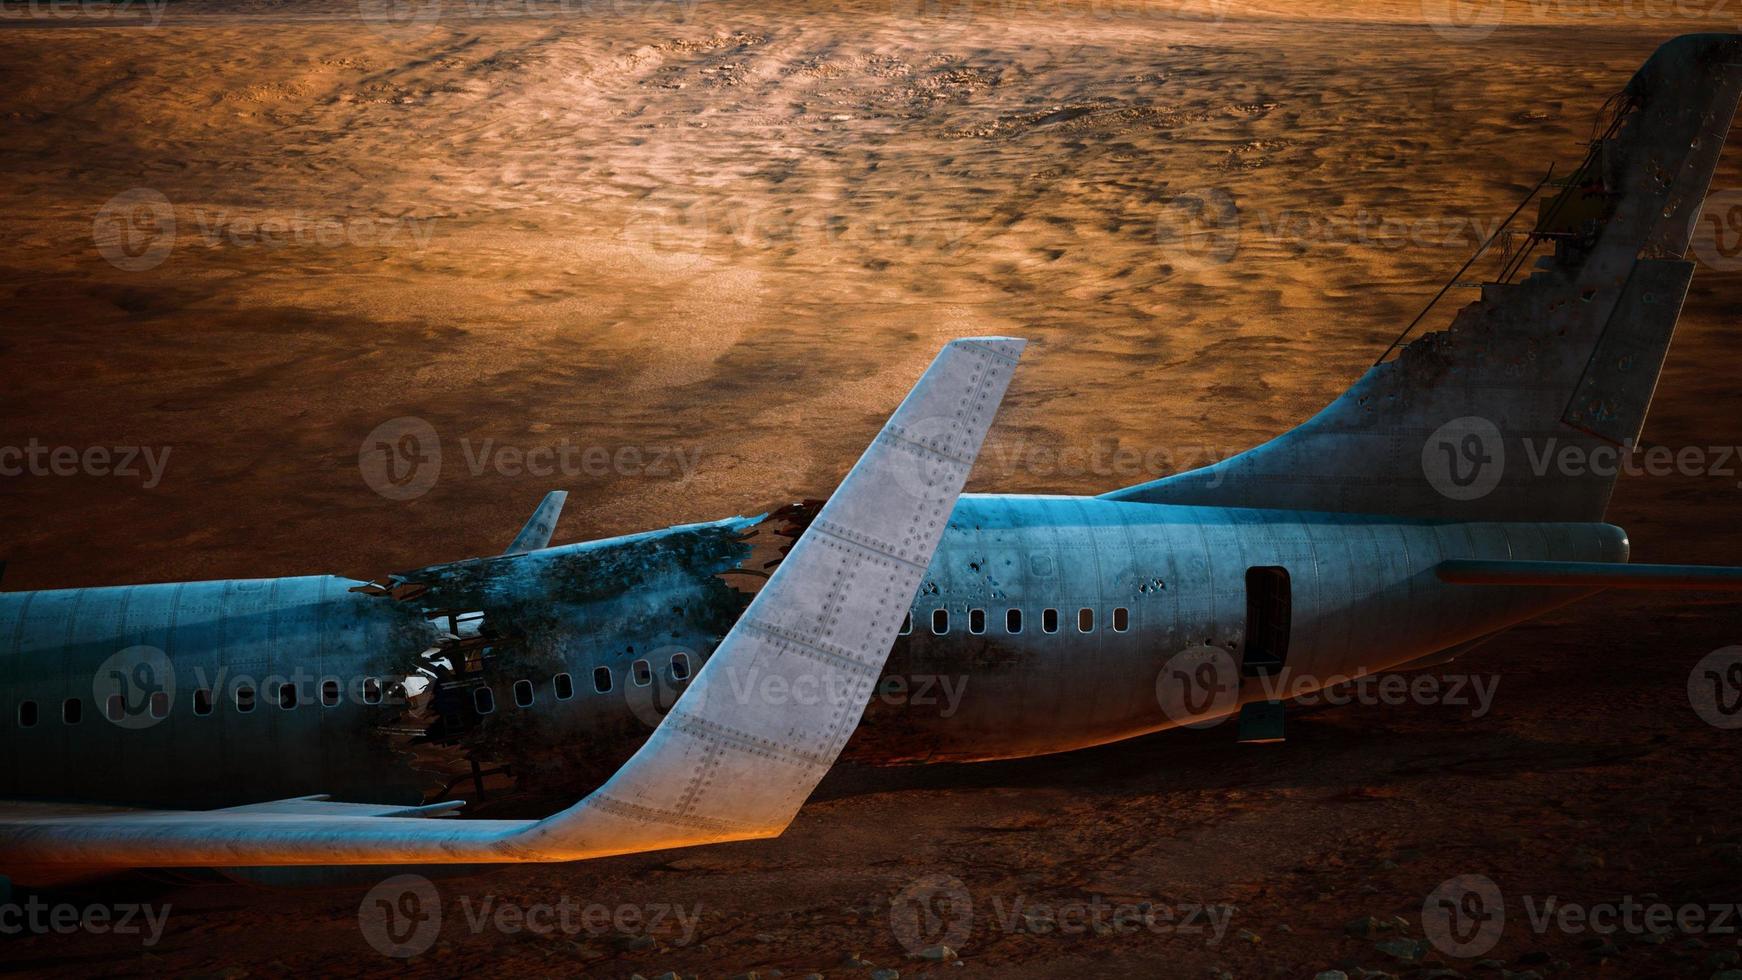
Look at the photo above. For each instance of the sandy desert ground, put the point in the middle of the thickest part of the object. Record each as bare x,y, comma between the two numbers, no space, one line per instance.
706,246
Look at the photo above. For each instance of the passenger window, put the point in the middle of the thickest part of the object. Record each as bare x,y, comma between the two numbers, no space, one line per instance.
940,621
117,707
160,704
1085,621
565,687
1121,619
680,666
1013,621
602,680
976,621
484,700
1049,620
244,698
287,696
907,623
330,692
523,693
202,701
643,673
371,690
26,714
72,711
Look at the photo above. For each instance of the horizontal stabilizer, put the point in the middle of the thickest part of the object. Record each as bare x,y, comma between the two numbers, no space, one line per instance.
1590,574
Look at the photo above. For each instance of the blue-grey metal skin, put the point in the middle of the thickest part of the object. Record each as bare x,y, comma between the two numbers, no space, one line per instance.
1344,503
1365,597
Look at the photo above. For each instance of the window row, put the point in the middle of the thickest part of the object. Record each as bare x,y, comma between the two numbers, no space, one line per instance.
1049,621
288,695
640,674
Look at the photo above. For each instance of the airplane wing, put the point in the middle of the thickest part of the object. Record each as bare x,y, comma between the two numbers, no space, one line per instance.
730,761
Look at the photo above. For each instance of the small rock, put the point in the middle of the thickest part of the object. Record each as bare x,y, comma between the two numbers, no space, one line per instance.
1285,929
1490,965
885,974
937,954
1248,936
852,961
1407,950
1366,927
1606,950
1332,975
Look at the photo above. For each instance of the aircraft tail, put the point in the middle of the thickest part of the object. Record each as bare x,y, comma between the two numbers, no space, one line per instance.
1523,408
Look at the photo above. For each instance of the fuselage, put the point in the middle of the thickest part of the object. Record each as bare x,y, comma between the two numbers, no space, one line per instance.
1043,624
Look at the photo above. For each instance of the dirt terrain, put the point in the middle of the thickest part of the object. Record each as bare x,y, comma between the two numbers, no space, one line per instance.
701,248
